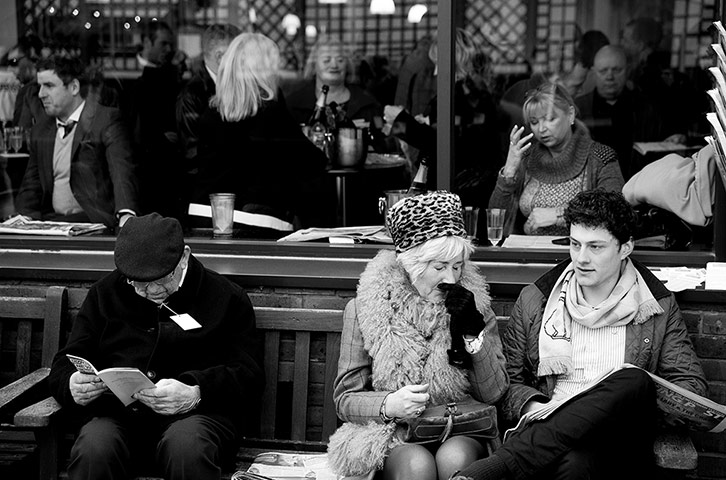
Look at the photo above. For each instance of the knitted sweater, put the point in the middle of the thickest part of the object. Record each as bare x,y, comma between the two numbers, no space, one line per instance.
597,163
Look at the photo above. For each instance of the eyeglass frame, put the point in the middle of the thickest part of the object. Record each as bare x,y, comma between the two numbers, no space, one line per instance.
162,282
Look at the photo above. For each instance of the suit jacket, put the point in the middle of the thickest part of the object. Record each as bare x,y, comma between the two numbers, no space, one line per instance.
103,170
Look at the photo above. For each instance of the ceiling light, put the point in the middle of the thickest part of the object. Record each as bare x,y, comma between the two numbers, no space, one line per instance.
416,12
382,7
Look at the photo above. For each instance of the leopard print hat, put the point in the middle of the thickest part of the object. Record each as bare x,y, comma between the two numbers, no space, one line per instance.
417,219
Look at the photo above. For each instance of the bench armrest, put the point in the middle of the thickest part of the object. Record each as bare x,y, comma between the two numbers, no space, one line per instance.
675,451
39,414
23,391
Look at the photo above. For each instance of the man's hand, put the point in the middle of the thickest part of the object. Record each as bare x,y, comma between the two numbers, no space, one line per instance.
465,318
170,397
85,388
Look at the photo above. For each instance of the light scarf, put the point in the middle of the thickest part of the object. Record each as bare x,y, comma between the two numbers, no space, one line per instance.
630,300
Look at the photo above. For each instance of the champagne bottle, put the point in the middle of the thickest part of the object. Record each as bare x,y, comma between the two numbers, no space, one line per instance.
320,130
419,181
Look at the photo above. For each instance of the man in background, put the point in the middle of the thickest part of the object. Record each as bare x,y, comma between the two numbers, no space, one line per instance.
194,97
81,167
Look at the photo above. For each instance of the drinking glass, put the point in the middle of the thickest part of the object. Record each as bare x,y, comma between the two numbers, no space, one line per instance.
471,221
495,224
16,139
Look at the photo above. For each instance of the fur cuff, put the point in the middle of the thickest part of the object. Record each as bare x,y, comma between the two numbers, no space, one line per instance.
356,449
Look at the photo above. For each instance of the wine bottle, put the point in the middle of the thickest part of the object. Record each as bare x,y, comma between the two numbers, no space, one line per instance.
419,181
319,131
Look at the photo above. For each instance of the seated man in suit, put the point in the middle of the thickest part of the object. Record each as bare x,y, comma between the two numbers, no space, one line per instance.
81,174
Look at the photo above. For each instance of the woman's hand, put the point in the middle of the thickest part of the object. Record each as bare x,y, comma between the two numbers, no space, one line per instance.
541,217
408,401
85,388
517,147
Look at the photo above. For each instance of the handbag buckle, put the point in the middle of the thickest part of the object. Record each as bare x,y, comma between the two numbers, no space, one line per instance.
451,408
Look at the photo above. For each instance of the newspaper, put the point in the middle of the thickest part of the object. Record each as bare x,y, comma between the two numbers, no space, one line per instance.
288,466
25,226
364,234
698,412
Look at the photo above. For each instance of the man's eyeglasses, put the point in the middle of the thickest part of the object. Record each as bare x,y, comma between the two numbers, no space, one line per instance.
163,281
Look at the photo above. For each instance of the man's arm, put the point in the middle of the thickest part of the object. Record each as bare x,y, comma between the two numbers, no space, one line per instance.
677,361
517,338
122,165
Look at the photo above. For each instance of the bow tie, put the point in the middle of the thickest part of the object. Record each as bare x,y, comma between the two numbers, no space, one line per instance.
67,127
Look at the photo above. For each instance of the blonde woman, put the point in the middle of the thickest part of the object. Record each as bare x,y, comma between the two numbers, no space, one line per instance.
250,145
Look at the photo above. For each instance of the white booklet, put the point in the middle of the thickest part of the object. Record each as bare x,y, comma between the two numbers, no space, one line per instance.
699,413
122,381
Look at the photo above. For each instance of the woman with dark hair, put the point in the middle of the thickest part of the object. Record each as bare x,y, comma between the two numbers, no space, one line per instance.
541,177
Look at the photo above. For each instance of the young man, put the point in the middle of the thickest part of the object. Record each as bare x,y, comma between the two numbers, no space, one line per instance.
191,331
81,167
579,320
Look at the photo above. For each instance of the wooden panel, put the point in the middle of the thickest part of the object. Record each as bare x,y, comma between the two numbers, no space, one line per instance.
14,307
300,386
299,319
56,302
269,395
22,354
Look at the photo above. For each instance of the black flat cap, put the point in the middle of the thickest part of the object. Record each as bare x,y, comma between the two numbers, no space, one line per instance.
148,247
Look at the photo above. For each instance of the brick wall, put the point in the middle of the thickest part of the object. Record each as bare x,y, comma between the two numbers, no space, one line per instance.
706,324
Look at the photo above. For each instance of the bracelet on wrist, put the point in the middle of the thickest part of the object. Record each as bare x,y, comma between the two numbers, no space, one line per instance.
382,411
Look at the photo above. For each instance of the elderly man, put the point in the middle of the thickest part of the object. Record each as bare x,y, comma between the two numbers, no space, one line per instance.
81,167
615,114
191,331
582,319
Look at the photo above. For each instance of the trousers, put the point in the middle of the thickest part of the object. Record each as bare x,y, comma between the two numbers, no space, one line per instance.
192,447
608,432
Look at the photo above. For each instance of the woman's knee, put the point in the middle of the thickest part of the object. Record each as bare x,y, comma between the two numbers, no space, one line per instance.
409,461
457,453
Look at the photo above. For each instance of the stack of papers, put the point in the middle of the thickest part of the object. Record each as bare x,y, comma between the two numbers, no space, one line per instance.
716,276
677,279
536,241
365,234
26,226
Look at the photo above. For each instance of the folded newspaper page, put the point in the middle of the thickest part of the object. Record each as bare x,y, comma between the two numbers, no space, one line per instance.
25,226
288,466
700,413
363,234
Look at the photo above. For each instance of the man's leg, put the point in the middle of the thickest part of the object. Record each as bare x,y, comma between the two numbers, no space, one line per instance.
193,448
621,405
101,451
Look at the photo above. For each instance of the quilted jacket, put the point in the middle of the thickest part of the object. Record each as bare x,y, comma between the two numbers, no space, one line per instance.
660,345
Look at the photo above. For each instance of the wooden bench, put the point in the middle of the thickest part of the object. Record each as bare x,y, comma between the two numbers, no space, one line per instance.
30,325
301,349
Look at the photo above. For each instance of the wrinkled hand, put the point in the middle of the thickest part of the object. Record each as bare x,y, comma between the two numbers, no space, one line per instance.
517,146
540,217
408,401
460,303
85,388
170,397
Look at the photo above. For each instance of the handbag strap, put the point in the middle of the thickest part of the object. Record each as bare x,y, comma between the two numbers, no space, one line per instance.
451,411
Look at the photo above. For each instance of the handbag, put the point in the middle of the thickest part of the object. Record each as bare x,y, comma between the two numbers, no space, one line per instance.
467,417
660,229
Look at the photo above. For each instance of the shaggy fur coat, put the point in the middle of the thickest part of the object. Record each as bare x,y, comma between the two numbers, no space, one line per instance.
407,338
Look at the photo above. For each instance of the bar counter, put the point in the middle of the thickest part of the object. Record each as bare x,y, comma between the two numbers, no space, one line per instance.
293,264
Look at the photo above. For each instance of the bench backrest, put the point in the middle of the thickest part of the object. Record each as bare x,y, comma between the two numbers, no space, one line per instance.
301,348
30,325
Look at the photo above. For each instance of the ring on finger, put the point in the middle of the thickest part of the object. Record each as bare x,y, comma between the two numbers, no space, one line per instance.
418,412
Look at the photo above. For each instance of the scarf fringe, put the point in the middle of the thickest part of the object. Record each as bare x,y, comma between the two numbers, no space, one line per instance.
647,309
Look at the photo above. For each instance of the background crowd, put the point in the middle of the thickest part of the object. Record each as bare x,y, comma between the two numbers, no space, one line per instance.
227,121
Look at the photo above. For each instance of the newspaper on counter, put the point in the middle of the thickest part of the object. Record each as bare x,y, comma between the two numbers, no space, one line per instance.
699,413
288,466
25,226
366,234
